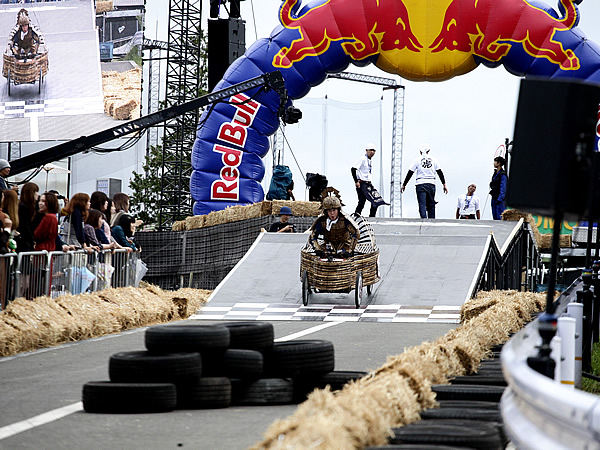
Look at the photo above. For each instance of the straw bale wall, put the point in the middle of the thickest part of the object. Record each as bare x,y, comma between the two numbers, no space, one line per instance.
122,93
27,325
364,412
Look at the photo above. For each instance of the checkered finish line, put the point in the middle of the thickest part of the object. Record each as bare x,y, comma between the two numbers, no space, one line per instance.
330,313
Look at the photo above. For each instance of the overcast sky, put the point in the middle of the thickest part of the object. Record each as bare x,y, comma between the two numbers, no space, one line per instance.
464,119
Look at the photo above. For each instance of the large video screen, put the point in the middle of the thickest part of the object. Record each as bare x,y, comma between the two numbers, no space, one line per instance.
52,75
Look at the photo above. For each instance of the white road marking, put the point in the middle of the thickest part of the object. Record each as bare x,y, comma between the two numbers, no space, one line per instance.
307,331
42,419
51,416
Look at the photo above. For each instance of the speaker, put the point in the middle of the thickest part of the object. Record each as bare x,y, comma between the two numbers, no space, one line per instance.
553,147
226,43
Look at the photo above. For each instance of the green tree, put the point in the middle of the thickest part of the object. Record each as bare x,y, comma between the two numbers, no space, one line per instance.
146,199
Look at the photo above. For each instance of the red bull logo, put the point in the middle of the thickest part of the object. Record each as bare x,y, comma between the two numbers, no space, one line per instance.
489,28
227,187
427,39
385,26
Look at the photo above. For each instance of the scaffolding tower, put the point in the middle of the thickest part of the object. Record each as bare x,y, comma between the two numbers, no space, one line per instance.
182,84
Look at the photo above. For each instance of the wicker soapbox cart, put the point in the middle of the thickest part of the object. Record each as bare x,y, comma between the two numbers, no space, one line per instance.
25,71
330,275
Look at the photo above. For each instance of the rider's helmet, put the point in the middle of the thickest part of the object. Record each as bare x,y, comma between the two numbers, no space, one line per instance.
331,202
23,19
424,149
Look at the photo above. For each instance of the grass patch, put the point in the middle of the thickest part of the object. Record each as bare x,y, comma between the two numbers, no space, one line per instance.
588,385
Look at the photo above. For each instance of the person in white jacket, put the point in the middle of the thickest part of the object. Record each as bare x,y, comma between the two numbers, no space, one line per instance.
426,168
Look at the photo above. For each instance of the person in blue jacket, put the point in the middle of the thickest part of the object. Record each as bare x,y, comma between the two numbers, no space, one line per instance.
498,188
123,231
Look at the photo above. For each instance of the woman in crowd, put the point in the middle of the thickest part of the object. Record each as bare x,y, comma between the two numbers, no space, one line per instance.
46,232
121,204
76,212
94,230
124,230
100,202
27,210
10,206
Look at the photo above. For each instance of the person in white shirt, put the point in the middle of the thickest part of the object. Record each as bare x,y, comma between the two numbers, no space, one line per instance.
361,172
468,205
426,167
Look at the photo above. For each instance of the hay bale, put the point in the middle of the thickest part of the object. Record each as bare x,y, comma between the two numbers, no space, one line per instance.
44,322
396,392
103,6
122,93
194,222
266,208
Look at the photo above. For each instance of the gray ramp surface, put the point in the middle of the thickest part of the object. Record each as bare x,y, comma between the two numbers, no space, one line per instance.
427,270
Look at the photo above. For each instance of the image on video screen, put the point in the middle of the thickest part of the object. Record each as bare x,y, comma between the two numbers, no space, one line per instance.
52,76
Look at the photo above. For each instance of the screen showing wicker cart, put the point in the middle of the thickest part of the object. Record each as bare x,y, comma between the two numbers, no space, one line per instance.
331,275
25,71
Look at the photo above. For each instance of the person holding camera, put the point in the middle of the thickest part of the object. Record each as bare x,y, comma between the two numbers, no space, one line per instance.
283,226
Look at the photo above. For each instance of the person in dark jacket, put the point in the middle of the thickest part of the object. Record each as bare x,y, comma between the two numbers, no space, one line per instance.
283,226
124,230
498,188
27,211
332,234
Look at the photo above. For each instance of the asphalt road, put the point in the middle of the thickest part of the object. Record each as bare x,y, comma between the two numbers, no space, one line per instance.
35,386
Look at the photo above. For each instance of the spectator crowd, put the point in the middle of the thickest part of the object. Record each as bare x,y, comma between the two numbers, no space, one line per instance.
52,222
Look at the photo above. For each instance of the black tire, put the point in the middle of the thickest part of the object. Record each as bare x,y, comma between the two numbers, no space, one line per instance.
475,404
358,289
208,393
40,82
187,337
475,434
336,380
128,398
8,81
266,391
480,380
467,392
145,367
235,363
302,358
486,415
305,288
369,289
417,447
250,335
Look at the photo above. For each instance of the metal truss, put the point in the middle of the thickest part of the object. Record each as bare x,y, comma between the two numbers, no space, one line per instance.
183,84
397,132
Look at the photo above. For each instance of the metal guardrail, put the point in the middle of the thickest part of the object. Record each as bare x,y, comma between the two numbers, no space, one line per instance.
539,412
35,274
515,266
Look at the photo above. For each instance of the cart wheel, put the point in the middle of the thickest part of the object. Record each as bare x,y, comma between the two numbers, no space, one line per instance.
8,81
305,288
358,291
40,82
369,289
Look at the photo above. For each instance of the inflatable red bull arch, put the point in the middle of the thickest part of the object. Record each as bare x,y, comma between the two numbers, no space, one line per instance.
430,40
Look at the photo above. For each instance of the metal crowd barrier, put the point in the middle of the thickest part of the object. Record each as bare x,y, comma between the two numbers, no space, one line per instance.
35,274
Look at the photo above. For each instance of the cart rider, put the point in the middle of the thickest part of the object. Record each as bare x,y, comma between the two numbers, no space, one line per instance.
25,41
332,233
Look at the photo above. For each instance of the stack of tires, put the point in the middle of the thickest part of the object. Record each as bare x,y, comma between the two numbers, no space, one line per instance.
199,366
468,416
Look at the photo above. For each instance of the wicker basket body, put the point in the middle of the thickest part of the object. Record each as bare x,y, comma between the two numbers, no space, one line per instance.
339,275
27,71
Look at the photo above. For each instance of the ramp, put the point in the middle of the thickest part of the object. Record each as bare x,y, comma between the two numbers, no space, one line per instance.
427,269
